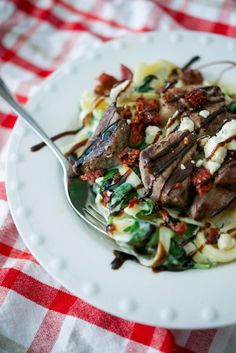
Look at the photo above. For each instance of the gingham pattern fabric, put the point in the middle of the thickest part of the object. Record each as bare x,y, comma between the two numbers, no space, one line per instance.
37,315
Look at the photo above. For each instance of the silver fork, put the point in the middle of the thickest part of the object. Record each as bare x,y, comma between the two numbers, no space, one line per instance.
77,191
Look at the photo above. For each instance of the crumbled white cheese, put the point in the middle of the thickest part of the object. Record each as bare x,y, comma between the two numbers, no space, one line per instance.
182,166
211,166
186,124
225,242
220,152
231,145
133,179
151,133
121,91
128,121
204,113
192,161
199,163
228,130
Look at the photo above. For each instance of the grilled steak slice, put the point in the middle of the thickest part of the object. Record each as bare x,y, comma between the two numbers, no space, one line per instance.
214,122
190,101
211,203
226,176
166,168
171,101
110,137
215,105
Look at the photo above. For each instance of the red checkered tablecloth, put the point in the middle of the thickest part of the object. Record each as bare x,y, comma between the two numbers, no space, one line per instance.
37,315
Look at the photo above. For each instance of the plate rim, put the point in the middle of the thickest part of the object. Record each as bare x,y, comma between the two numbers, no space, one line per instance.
33,250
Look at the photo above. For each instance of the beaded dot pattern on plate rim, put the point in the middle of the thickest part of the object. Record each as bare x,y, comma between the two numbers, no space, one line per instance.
91,289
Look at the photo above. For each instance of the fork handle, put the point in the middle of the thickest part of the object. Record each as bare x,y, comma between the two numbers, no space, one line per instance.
7,96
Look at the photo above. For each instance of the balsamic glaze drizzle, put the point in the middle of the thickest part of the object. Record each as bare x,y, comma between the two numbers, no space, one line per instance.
178,177
127,194
119,181
120,258
190,62
75,147
206,122
169,147
160,168
56,137
168,85
101,138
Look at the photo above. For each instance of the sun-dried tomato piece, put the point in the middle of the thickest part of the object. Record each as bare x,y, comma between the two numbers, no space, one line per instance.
92,176
177,227
130,157
196,98
106,82
212,236
192,77
147,113
106,198
125,112
133,201
126,73
137,133
148,110
203,189
202,180
177,186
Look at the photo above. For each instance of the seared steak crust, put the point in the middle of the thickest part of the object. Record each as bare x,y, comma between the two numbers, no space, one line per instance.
110,137
166,168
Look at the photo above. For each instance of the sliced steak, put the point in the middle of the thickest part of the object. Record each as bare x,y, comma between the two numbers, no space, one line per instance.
214,95
110,137
166,168
211,100
211,203
190,100
214,122
226,176
170,101
204,97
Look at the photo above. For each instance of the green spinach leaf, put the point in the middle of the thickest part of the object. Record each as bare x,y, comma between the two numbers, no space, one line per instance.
146,207
144,237
177,260
145,84
107,179
121,194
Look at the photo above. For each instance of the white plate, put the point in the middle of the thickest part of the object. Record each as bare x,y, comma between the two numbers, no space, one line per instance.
73,253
